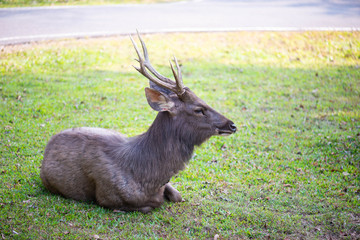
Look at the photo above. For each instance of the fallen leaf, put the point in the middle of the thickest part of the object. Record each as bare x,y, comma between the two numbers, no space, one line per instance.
216,236
346,173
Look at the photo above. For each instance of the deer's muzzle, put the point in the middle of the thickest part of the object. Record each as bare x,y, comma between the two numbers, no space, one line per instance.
227,129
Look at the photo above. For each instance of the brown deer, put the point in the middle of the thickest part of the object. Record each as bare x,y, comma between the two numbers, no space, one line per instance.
132,174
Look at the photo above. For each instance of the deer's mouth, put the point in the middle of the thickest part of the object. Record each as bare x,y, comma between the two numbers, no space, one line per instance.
230,129
222,132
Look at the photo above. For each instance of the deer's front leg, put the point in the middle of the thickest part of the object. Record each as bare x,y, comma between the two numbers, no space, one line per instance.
172,194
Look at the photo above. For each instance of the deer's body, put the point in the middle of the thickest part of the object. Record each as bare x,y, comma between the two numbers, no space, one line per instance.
132,174
100,165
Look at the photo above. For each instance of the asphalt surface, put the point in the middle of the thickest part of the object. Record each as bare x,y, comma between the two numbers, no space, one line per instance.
20,25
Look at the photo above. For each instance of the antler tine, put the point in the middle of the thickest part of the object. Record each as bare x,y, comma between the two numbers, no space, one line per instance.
136,49
177,87
145,64
148,64
178,76
146,56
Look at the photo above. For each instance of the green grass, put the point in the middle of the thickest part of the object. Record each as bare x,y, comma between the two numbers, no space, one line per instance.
40,3
291,171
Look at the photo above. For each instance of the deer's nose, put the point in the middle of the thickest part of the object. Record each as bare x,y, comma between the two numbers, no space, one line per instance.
232,127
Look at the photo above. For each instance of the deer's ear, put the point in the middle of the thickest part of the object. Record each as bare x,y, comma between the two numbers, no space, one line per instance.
159,101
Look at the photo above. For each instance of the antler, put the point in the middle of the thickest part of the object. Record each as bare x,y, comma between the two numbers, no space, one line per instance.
176,87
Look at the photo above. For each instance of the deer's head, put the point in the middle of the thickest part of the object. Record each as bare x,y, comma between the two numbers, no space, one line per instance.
165,95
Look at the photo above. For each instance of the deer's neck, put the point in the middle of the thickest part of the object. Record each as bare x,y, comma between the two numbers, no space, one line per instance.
162,151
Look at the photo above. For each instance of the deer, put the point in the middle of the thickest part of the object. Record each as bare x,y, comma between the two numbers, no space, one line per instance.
133,173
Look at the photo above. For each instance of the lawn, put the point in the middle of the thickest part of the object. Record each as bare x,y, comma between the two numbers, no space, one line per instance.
290,172
40,3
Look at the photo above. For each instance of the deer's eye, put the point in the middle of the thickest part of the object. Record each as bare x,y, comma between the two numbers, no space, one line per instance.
199,111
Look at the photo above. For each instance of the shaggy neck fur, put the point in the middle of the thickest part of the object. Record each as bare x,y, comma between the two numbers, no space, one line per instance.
162,151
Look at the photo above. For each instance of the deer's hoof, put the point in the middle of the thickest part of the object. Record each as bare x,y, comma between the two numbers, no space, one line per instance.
174,196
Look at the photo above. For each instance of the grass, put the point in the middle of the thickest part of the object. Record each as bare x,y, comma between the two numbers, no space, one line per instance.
290,172
40,3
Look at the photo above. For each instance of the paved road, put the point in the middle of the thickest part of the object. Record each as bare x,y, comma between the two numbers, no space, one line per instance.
19,25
